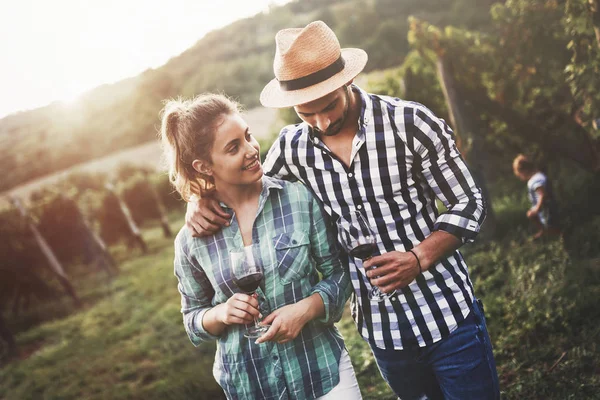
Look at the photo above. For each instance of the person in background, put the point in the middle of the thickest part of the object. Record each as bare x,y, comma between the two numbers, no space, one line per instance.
210,150
543,212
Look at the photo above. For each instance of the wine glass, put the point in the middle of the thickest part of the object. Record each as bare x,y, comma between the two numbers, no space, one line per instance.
247,274
358,239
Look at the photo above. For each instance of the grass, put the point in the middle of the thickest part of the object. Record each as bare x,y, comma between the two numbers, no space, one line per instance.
128,341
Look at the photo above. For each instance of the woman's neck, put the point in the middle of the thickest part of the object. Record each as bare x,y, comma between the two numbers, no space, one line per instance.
238,197
243,199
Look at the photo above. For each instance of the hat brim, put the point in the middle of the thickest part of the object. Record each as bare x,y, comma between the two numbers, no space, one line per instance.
272,96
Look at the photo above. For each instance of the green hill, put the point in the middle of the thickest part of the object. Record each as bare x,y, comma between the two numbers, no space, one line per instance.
236,60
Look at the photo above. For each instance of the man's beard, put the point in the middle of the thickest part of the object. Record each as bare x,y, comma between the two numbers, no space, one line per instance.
337,126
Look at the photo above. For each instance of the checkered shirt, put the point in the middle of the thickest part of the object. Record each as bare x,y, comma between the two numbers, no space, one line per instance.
295,246
403,158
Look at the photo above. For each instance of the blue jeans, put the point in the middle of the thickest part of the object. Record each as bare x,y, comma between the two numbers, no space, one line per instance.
459,367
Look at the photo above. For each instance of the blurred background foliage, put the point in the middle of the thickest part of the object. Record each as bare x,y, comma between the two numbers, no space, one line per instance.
236,59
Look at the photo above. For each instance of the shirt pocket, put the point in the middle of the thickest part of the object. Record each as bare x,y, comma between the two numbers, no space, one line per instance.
292,255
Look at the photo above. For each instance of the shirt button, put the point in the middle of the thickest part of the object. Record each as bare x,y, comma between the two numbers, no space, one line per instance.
275,358
324,152
359,206
350,175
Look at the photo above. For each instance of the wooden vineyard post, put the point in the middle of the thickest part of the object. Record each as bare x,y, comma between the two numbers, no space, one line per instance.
7,336
106,259
133,228
164,220
94,245
466,122
53,262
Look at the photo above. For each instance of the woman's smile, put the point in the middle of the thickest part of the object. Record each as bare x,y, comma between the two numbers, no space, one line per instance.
253,166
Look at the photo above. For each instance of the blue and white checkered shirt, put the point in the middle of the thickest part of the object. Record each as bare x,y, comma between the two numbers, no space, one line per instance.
403,158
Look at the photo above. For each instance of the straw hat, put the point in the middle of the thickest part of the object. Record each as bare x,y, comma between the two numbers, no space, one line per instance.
309,64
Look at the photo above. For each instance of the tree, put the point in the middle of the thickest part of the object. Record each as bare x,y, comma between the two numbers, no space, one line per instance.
582,27
515,78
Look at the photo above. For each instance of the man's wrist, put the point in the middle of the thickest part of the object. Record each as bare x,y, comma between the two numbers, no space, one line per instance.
423,261
418,265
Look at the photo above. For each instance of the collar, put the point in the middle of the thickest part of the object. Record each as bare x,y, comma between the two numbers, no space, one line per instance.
268,184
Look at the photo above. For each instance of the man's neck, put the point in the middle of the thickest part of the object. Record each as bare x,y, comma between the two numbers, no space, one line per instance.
353,111
341,144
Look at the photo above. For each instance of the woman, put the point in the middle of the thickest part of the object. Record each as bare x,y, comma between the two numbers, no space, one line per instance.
211,151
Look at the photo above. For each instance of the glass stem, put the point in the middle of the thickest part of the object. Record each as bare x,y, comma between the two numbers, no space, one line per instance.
256,320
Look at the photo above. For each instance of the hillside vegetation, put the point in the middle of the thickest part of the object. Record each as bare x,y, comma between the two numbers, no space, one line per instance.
236,60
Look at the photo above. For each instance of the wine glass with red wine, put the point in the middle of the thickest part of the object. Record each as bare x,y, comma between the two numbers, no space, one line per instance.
358,239
247,274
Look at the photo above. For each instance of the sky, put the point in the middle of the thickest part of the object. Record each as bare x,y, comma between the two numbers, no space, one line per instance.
57,49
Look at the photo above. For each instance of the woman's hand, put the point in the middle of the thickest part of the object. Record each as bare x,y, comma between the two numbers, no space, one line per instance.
287,322
239,309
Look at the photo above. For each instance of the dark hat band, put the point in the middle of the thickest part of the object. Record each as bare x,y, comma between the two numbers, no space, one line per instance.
314,78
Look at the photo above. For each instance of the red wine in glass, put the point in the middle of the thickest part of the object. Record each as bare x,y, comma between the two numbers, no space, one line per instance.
249,283
246,273
358,239
363,251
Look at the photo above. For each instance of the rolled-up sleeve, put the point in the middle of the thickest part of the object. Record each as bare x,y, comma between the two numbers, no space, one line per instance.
335,287
447,174
196,292
275,164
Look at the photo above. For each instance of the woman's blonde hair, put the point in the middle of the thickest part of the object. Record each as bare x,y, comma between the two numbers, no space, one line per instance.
187,133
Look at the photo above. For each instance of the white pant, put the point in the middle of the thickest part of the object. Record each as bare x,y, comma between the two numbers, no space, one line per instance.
347,389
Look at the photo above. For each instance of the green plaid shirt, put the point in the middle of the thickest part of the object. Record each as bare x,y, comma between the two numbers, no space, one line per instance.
294,244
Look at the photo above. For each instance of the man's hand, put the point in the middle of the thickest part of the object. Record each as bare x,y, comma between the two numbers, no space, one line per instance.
395,270
286,323
205,217
239,309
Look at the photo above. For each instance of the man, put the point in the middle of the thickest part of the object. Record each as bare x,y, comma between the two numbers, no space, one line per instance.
389,159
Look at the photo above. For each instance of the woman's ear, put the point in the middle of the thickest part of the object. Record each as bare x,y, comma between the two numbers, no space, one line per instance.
202,167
